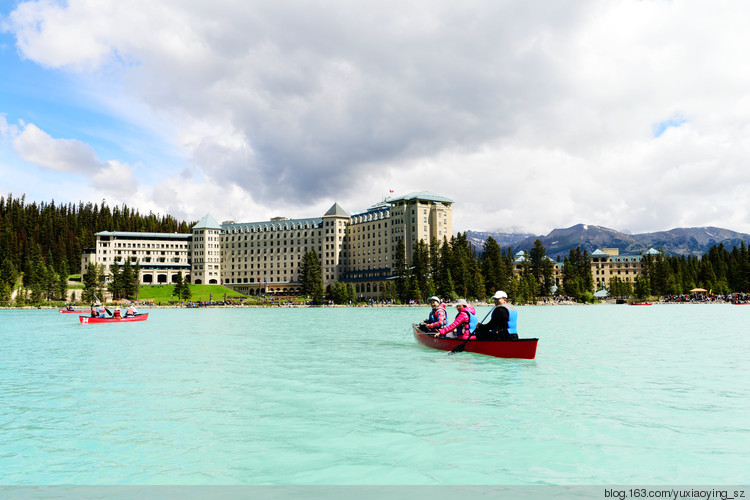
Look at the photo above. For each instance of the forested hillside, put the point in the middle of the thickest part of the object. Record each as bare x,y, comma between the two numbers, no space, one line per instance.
44,241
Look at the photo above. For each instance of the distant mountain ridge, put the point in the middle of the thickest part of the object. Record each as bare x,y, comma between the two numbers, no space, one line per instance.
691,241
477,238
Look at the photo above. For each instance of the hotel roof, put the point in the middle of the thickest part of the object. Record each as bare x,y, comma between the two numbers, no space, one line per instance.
207,222
146,236
421,195
337,211
272,225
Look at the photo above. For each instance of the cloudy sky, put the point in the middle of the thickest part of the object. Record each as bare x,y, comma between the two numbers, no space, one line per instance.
530,115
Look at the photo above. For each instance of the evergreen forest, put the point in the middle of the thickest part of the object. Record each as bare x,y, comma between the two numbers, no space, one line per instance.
43,242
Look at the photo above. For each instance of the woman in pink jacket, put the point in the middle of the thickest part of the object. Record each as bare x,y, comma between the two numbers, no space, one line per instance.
462,323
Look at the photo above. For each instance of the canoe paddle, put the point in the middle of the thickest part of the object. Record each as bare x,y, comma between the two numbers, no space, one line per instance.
460,347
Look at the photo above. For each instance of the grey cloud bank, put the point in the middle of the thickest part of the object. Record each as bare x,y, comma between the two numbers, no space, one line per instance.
530,115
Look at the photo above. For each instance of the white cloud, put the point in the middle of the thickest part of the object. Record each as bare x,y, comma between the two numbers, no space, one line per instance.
7,131
74,157
63,155
116,177
530,115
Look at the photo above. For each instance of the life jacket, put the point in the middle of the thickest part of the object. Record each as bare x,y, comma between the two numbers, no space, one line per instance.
433,317
467,329
512,318
472,322
116,314
512,321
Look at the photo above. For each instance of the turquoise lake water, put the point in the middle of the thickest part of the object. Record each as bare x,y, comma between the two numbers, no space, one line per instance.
616,395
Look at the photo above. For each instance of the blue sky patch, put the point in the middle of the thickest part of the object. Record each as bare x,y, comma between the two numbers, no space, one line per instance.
661,127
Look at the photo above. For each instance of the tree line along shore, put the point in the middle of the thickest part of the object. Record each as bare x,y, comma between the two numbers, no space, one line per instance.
41,244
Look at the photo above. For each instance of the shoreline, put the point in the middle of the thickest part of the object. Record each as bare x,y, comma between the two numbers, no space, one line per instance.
293,306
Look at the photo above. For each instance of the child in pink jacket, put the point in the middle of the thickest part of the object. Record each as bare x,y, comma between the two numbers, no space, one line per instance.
461,323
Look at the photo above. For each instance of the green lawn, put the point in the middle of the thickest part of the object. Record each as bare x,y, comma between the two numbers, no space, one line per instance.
201,293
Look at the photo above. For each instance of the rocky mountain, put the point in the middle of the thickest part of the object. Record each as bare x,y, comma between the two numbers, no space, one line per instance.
477,238
693,241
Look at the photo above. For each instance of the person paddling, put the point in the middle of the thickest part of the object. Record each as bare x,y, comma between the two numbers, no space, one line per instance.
132,311
97,311
464,323
503,324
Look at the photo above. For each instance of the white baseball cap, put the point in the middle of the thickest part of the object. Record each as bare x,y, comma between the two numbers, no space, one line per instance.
500,295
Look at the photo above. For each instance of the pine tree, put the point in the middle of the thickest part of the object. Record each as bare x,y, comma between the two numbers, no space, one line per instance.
642,288
62,283
461,254
115,284
476,281
388,293
51,282
542,268
420,281
186,293
444,285
528,283
178,283
8,272
136,283
129,280
93,283
493,266
21,297
312,278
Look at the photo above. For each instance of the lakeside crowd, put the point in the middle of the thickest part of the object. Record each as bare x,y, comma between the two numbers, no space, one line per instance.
735,298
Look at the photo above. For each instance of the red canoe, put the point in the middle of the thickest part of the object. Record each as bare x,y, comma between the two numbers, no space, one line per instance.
521,348
79,311
89,319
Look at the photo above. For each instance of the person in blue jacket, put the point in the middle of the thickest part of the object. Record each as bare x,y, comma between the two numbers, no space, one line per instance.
438,316
503,324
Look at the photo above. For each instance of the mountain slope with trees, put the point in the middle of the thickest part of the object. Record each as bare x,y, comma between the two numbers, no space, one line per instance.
694,241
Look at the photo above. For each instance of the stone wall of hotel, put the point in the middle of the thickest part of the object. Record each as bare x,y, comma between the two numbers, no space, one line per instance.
266,257
260,258
161,256
206,256
368,248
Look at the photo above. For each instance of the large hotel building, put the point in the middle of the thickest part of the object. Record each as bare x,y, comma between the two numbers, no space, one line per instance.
258,258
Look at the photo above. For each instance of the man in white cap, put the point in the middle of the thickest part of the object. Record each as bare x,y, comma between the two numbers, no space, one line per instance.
503,324
438,317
